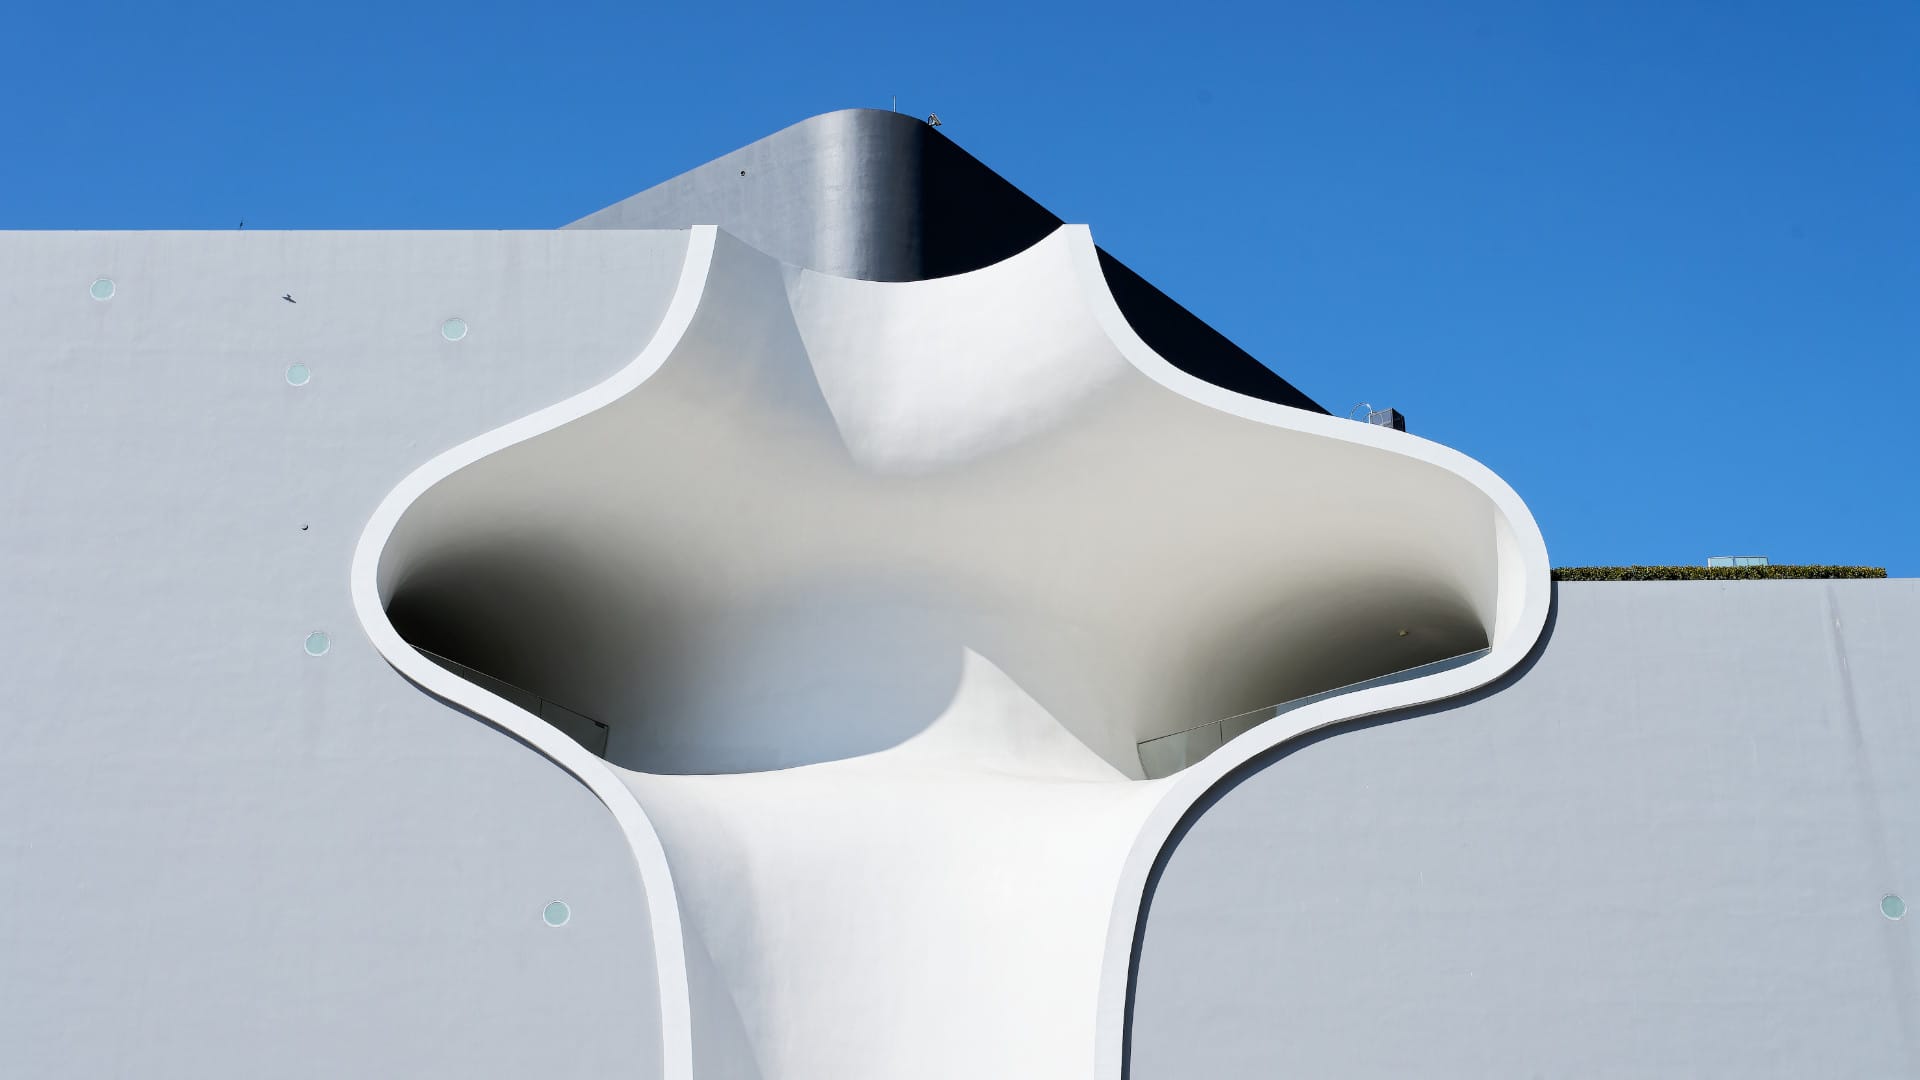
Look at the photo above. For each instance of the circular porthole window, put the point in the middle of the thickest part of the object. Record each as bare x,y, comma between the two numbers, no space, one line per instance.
557,913
101,289
1892,906
453,329
318,643
298,375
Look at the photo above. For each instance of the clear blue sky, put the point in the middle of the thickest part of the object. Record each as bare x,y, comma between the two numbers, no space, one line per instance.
1657,264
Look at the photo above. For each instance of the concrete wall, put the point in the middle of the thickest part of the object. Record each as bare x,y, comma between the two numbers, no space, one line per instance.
1659,850
220,856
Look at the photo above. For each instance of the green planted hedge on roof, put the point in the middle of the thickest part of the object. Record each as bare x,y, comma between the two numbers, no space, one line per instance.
1711,573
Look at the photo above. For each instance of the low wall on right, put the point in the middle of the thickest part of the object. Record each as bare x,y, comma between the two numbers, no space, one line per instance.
1662,847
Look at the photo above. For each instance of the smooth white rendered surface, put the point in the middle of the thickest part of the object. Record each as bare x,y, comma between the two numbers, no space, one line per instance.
663,913
261,862
917,566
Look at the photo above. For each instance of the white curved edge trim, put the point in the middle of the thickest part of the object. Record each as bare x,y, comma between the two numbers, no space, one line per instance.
663,909
1522,565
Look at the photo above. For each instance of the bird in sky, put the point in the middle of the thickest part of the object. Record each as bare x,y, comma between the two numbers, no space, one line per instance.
288,297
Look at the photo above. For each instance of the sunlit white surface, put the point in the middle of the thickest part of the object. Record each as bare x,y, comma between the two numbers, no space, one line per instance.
879,586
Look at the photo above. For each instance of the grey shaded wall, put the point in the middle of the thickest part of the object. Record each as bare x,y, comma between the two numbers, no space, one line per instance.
861,193
222,857
1659,850
882,196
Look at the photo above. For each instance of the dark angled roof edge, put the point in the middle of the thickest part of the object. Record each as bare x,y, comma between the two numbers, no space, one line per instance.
884,196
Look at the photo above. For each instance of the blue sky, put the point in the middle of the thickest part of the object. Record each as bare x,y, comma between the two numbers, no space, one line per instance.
1657,264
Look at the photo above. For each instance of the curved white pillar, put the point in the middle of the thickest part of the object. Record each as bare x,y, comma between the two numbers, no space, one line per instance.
879,586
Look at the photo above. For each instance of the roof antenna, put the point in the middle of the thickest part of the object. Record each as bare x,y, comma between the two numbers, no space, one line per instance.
896,103
1386,418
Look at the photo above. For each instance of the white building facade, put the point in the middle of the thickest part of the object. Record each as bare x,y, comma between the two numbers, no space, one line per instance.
824,617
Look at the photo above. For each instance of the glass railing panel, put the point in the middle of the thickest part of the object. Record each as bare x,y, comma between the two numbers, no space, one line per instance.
1165,755
584,730
1169,754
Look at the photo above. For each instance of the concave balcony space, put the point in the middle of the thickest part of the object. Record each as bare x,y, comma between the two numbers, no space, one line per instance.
878,589
846,676
779,549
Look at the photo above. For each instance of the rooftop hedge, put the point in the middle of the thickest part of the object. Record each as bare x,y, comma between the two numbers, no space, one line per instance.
1711,573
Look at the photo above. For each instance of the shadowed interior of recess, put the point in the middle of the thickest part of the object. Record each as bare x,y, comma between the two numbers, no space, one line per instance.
683,610
838,517
832,684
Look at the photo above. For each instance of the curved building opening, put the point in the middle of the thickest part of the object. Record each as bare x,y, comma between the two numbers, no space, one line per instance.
834,503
